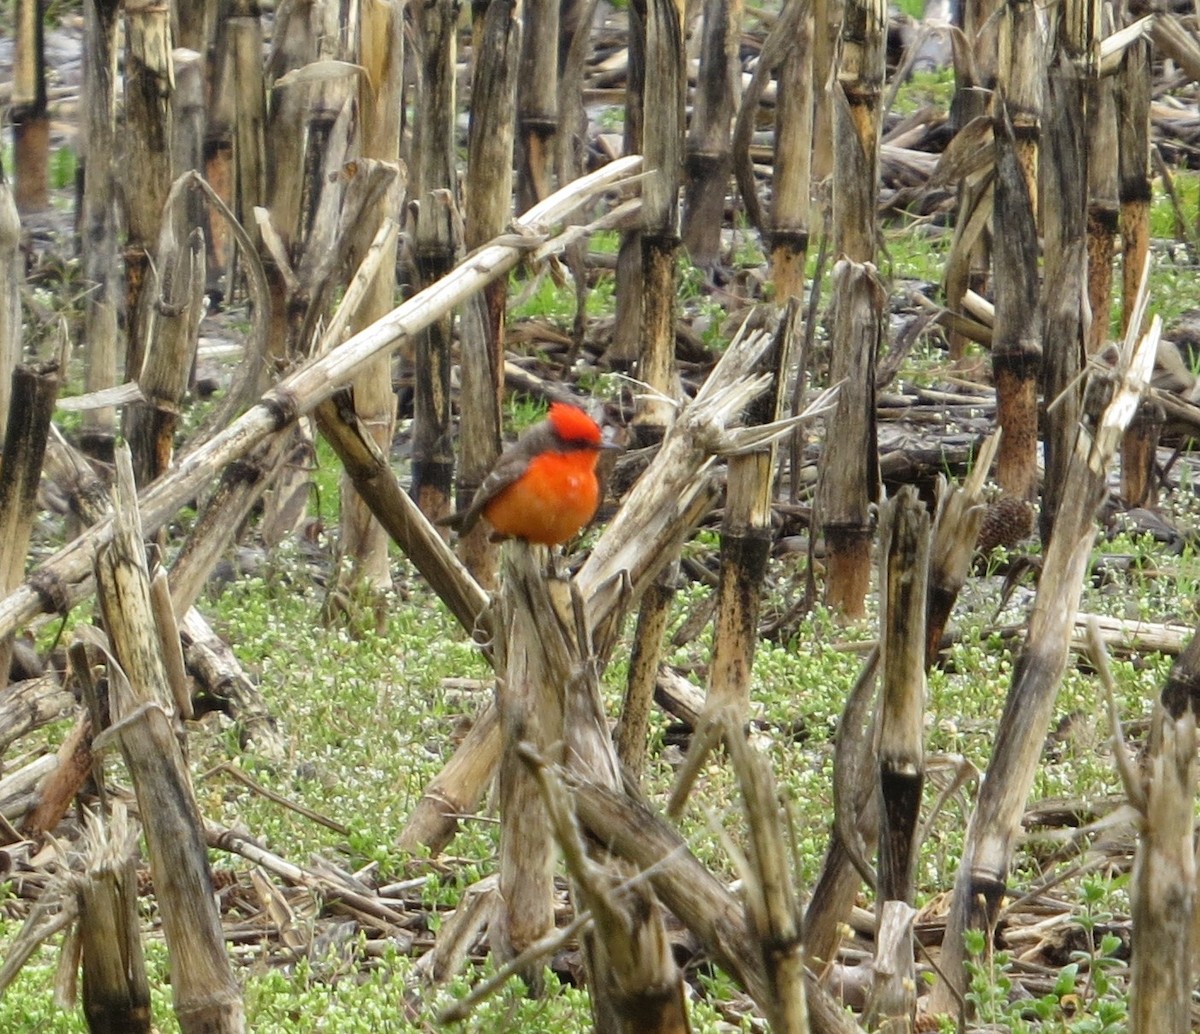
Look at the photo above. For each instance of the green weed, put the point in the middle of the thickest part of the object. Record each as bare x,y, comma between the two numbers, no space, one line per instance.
934,88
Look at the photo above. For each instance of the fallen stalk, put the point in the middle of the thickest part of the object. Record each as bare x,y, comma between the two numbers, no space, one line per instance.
66,578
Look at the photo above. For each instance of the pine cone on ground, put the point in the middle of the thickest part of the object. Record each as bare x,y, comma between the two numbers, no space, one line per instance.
1008,520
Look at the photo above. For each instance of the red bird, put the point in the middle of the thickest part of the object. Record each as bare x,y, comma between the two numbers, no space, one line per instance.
543,488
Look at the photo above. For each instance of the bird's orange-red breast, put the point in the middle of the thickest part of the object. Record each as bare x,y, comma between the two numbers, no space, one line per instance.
544,487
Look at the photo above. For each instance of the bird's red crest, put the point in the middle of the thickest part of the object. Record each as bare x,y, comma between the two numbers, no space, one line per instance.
572,424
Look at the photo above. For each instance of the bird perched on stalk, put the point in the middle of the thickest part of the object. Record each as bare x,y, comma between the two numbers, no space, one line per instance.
544,487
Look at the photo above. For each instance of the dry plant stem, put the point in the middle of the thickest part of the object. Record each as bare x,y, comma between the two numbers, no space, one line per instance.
960,513
437,236
1133,144
149,86
633,727
187,139
1174,39
354,899
65,578
357,198
217,167
531,712
1110,49
791,194
745,549
968,156
211,662
37,929
627,320
206,995
381,46
488,201
776,47
459,933
34,389
29,705
74,765
192,28
893,1000
1164,876
1126,637
89,691
252,377
116,993
458,788
1126,766
168,641
363,283
548,945
641,538
656,364
325,211
30,114
855,823
1103,213
294,107
315,217
827,31
1016,126
903,578
571,156
976,72
746,535
707,154
368,468
206,656
537,112
334,889
19,789
1023,86
551,693
1065,284
241,487
10,296
234,772
1016,335
850,469
773,913
979,888
635,984
461,1009
849,481
11,834
963,328
170,328
1164,882
1138,487
246,97
663,130
1139,455
631,830
707,734
981,309
278,913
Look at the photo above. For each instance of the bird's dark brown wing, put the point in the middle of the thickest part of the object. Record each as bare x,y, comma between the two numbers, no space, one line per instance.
510,466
